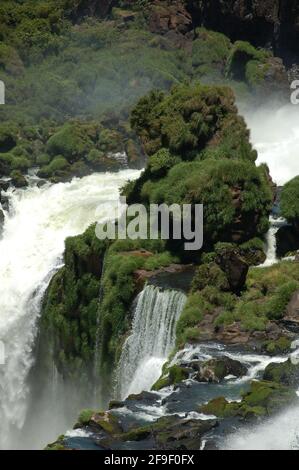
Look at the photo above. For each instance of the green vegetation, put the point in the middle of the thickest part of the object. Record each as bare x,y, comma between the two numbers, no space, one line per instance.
289,201
263,399
265,297
70,308
246,63
173,375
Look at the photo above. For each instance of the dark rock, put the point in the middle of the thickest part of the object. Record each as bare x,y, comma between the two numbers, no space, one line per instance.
175,433
18,180
5,202
287,239
215,370
266,23
264,398
235,267
165,17
2,219
285,373
4,185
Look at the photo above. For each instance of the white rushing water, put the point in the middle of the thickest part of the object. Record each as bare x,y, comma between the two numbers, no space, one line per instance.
278,433
39,221
271,242
151,340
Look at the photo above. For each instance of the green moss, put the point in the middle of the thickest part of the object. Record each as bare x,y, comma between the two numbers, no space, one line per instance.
171,376
245,62
72,141
280,346
263,399
209,275
285,373
85,417
210,51
194,311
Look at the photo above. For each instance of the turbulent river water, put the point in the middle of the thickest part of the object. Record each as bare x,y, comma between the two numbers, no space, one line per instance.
31,248
31,251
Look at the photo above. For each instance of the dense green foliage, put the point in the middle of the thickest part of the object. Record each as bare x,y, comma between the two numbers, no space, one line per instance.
69,312
290,200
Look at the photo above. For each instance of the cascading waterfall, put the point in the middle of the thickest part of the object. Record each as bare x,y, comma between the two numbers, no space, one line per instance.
271,242
151,341
39,221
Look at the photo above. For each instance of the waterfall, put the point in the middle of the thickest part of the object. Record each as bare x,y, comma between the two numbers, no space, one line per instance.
39,221
271,243
151,340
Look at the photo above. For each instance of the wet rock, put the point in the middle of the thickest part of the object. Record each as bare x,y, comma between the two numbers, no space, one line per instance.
174,375
4,185
285,373
18,180
5,202
287,240
215,370
173,432
263,399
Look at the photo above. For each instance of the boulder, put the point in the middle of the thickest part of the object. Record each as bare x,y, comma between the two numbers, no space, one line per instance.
235,267
215,370
285,373
287,240
263,399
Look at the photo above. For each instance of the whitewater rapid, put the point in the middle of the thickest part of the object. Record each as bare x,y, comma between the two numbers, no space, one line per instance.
151,340
39,221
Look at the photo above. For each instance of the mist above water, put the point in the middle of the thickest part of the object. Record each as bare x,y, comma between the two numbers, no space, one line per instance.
31,251
275,135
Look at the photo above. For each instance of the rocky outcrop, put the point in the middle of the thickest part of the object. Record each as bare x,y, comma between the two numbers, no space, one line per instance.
264,398
215,370
266,23
169,16
235,268
287,240
286,373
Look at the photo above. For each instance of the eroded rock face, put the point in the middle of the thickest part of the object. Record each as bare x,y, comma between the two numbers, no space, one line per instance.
270,23
169,16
